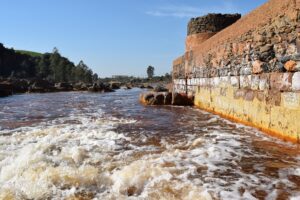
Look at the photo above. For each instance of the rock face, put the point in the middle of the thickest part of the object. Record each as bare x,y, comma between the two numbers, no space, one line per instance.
248,72
6,89
63,87
20,85
100,87
15,86
41,86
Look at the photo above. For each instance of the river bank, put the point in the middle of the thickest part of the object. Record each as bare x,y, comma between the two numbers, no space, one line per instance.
18,86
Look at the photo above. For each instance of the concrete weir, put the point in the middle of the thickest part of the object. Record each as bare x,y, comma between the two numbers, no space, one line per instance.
249,71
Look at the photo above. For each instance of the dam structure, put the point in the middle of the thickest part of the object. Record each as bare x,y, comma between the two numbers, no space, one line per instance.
246,69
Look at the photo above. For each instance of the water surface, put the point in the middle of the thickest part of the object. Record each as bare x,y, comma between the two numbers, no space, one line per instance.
107,146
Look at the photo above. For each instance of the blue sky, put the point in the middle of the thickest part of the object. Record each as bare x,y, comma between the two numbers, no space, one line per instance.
113,37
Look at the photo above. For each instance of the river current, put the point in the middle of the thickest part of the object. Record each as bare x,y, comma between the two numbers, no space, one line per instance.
107,146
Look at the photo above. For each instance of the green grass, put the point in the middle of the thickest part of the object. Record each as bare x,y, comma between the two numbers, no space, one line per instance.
31,53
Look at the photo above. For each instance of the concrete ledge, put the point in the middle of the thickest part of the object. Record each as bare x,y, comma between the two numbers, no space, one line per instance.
275,113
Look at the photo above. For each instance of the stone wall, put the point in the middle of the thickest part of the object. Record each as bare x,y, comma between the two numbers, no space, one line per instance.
250,71
211,23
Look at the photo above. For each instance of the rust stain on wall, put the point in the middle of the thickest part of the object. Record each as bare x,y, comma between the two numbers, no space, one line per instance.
247,71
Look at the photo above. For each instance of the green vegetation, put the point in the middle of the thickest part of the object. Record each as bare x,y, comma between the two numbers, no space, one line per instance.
150,71
50,66
30,53
167,78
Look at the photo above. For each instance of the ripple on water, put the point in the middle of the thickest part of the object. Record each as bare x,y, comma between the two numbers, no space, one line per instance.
92,152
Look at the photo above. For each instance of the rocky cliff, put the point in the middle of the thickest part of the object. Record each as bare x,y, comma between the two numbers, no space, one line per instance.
248,71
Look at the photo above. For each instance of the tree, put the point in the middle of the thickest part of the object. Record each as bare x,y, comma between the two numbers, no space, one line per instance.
95,77
51,66
150,71
55,50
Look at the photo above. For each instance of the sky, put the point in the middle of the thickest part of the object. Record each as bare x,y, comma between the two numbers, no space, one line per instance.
113,37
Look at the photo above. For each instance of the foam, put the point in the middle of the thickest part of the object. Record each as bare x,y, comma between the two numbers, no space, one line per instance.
85,155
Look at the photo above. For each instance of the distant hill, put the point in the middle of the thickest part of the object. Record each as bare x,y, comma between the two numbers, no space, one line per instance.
30,53
50,66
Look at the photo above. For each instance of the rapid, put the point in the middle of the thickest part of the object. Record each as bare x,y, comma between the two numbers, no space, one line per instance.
80,145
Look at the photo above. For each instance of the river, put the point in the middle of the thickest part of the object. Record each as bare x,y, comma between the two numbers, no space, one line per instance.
107,146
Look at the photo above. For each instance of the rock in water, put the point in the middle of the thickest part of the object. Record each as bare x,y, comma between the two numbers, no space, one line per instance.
182,100
156,98
5,89
63,86
101,87
160,88
41,85
115,85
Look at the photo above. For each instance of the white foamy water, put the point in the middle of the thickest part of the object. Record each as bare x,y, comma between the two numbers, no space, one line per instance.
104,149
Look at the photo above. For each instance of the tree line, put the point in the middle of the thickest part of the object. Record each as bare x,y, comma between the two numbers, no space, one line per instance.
50,66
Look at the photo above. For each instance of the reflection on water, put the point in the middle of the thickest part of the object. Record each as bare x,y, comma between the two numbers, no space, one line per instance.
107,146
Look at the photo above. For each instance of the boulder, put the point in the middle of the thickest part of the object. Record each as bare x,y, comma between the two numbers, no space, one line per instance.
179,99
63,86
6,89
149,87
292,66
160,88
168,99
159,99
80,86
41,86
115,85
128,87
258,67
156,98
100,87
147,98
20,85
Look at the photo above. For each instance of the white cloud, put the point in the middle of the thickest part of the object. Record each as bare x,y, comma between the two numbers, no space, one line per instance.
184,11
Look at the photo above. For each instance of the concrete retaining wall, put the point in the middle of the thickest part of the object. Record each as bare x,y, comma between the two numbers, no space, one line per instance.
250,71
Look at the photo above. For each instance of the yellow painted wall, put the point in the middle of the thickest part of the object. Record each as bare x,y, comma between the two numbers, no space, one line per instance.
282,121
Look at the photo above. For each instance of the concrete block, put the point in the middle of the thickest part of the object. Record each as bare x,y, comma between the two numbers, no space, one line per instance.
202,82
235,81
249,95
193,81
260,95
224,81
264,81
216,81
255,82
273,98
291,100
182,82
296,81
281,81
245,82
240,93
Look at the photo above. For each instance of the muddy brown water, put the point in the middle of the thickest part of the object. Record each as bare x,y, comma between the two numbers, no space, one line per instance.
107,146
